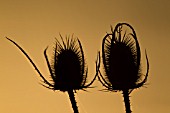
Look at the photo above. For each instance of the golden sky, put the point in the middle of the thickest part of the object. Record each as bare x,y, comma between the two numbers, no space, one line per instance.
35,24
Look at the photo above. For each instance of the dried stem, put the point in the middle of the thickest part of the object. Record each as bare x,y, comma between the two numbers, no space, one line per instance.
126,101
73,101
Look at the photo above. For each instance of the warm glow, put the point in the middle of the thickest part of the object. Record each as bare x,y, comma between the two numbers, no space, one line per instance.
34,25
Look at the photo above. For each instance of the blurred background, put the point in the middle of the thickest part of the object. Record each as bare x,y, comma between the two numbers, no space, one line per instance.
35,24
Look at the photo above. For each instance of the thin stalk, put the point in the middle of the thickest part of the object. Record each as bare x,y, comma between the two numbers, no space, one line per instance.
73,101
126,101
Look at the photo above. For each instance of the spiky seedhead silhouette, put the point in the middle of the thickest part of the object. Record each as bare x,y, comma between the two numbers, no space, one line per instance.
122,61
68,69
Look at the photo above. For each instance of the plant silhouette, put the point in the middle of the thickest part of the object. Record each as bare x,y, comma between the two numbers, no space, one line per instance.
122,62
68,69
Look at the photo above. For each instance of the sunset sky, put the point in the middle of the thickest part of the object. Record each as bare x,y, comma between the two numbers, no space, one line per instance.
34,25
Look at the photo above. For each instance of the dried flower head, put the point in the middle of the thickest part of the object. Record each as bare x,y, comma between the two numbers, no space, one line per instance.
68,69
122,60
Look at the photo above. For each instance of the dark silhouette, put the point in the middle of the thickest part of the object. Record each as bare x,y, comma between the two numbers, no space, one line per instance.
68,69
121,60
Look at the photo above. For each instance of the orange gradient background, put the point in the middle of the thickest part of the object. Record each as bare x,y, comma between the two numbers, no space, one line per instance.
35,24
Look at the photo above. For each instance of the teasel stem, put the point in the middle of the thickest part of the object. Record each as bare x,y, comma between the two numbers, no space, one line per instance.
73,101
127,101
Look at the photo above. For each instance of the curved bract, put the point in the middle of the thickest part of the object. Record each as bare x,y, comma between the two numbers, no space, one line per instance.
121,59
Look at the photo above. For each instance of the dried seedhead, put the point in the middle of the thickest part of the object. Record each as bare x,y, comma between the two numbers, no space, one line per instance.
122,60
68,69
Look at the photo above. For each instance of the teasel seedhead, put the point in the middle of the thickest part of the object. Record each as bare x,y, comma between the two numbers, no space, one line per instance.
68,69
122,60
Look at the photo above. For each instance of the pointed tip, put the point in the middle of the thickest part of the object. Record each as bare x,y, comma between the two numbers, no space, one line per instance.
59,33
7,38
11,40
60,36
111,28
45,49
